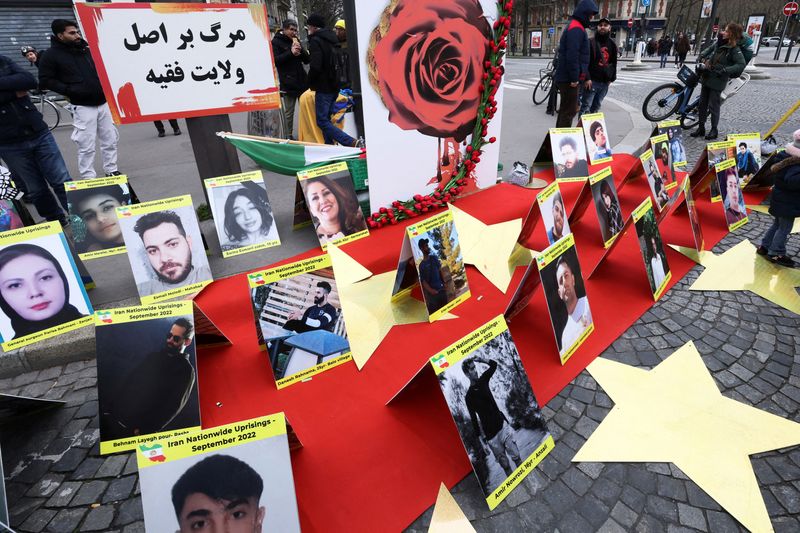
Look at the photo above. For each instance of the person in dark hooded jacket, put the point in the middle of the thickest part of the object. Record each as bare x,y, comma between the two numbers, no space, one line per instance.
784,205
321,78
573,62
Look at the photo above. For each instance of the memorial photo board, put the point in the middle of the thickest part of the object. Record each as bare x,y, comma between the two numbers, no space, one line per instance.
597,138
158,63
654,179
566,297
674,132
607,206
525,291
331,200
165,248
146,374
652,248
242,213
694,217
93,212
494,408
439,263
569,154
238,475
41,292
416,124
9,216
748,155
554,212
762,179
732,197
718,152
663,157
299,318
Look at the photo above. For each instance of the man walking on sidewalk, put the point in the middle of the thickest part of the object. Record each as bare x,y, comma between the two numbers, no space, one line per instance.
27,146
602,67
573,62
67,68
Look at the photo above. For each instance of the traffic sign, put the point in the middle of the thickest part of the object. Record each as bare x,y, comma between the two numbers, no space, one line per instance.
646,3
551,31
790,8
630,23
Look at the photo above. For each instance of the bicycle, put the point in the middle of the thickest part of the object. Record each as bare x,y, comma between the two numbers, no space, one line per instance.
50,110
545,85
670,98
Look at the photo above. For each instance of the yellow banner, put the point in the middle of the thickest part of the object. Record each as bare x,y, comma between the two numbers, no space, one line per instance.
103,253
591,117
314,370
428,224
720,145
321,171
104,317
659,138
646,156
263,277
174,293
548,192
97,182
519,474
669,124
660,289
19,342
131,443
344,240
744,136
642,209
468,344
126,211
252,248
173,448
600,175
554,251
449,306
738,224
255,176
724,165
566,131
577,344
15,236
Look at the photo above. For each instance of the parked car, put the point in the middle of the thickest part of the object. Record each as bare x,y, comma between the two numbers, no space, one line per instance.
773,41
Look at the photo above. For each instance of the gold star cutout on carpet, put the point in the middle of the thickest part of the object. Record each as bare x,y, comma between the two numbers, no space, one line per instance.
742,269
366,300
448,516
765,209
491,248
675,413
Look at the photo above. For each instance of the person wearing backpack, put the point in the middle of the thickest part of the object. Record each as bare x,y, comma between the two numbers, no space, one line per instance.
325,77
718,63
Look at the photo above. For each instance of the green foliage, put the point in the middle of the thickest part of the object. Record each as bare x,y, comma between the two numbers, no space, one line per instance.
204,212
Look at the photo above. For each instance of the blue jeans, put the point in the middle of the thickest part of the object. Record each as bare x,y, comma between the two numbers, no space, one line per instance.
323,106
664,60
591,99
38,162
774,239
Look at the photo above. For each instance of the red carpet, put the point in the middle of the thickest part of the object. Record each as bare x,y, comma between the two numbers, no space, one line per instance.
368,467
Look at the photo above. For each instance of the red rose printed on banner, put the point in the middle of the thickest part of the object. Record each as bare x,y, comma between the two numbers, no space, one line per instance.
429,65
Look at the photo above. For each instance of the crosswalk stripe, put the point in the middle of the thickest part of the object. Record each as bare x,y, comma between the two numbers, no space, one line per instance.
515,87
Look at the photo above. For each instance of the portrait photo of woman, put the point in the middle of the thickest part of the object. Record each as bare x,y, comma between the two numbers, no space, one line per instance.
35,291
97,227
247,217
334,207
609,212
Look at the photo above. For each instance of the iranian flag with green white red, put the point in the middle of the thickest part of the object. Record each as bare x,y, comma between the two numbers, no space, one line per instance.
286,157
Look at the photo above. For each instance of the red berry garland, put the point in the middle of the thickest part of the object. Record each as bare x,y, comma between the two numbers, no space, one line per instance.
447,192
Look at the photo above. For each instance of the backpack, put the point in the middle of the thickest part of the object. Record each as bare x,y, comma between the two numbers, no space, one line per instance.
339,68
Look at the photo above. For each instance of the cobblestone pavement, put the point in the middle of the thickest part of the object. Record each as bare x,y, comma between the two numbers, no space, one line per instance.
57,481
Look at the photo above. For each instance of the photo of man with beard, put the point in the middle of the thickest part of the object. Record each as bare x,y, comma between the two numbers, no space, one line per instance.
168,248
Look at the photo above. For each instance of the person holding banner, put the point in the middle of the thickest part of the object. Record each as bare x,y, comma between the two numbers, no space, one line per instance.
67,68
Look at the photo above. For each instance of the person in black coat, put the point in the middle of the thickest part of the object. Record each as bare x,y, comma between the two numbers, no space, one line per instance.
289,60
784,205
322,79
27,146
67,68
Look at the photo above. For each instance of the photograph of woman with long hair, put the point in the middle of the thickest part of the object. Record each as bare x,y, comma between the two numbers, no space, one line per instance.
247,217
334,208
608,209
34,291
96,209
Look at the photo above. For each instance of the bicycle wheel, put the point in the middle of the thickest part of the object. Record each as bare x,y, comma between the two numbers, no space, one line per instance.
50,113
691,117
542,90
662,102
